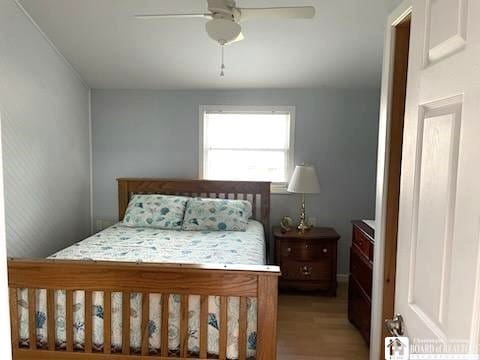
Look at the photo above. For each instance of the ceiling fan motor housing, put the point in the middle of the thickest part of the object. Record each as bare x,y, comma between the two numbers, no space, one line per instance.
221,7
223,31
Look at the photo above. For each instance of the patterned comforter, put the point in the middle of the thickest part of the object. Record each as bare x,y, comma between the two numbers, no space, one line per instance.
120,243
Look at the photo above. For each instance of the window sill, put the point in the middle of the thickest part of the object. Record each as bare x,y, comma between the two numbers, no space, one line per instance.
279,189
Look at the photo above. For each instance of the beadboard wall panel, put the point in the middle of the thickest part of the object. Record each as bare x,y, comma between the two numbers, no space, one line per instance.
44,109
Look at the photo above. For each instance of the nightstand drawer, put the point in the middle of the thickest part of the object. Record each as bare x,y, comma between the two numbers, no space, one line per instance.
305,270
363,243
308,260
304,250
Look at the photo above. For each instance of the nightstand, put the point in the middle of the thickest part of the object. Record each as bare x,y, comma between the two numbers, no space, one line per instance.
308,261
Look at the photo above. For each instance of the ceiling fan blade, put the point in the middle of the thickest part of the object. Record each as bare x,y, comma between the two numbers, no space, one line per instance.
299,12
169,16
240,37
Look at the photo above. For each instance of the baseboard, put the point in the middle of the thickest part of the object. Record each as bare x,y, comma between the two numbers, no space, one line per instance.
343,278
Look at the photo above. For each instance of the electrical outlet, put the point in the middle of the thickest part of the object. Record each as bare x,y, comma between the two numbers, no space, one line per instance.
107,223
101,224
98,225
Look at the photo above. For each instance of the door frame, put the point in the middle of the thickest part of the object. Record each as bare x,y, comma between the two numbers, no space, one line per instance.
402,12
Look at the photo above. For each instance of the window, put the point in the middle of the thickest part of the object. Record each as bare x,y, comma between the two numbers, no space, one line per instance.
247,143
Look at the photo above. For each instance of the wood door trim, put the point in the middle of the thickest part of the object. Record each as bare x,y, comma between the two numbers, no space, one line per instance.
384,263
397,116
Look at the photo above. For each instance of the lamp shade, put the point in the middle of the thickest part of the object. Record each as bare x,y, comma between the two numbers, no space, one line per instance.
304,180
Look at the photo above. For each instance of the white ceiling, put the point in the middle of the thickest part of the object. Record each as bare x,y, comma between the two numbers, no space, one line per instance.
341,47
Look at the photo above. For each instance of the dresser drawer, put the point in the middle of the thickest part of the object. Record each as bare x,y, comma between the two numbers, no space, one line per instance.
363,243
359,309
304,250
361,270
305,270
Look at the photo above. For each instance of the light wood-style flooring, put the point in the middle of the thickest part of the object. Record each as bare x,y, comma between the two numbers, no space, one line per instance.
312,327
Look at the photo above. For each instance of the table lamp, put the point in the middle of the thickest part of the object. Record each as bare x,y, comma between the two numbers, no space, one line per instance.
304,181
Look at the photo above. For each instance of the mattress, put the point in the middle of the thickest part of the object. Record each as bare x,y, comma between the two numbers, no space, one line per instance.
120,243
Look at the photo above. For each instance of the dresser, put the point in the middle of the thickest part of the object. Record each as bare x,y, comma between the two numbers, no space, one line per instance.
308,261
360,280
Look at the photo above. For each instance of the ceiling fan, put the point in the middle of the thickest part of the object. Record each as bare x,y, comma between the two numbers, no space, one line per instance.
224,19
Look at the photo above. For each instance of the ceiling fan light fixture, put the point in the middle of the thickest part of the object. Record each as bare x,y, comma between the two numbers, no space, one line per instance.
223,31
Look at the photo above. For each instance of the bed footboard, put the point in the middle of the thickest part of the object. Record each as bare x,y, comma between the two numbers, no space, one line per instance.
184,281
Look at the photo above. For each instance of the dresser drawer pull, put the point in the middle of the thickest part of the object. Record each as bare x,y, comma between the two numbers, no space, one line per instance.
325,250
307,270
289,250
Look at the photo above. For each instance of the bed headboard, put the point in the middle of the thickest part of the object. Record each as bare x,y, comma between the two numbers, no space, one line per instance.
256,192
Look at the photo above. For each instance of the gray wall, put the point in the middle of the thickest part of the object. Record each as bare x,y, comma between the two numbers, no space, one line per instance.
155,133
44,110
393,4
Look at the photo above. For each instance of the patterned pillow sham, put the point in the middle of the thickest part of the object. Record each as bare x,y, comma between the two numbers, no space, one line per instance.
156,211
217,214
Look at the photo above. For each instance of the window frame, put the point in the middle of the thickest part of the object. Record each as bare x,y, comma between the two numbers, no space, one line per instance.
276,187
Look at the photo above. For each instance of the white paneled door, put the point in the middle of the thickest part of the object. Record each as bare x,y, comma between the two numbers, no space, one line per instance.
438,266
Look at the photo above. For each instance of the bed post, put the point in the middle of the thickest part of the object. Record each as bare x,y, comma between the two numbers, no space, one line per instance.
122,198
267,317
265,218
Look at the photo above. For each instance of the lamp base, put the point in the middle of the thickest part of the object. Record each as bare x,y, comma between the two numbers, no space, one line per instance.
302,225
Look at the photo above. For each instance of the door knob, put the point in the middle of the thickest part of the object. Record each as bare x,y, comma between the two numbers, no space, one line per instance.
395,326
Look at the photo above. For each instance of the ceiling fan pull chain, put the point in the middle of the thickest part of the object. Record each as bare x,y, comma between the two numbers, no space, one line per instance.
222,68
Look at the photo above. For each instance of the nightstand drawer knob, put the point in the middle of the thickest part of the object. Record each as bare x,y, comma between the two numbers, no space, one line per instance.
307,270
325,250
289,250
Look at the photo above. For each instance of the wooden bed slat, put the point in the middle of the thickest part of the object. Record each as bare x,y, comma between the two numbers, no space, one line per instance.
223,332
32,331
107,322
69,319
51,319
145,318
184,326
13,297
88,321
242,329
164,332
126,323
203,326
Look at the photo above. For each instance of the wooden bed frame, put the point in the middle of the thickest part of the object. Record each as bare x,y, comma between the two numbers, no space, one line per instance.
259,282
